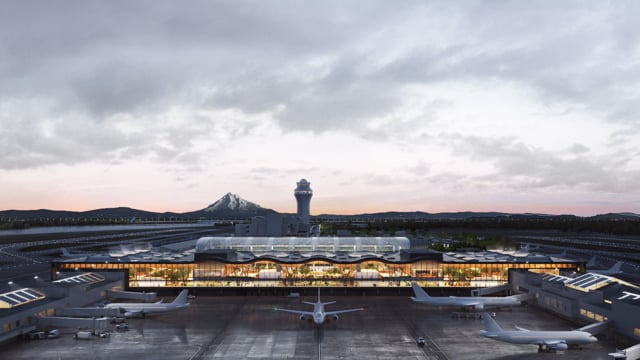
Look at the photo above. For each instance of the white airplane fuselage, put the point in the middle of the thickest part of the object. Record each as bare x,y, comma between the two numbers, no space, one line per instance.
135,309
539,337
318,313
475,302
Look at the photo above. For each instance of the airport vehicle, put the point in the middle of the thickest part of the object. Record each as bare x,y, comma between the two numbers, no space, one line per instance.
318,315
83,335
420,341
35,335
614,270
123,326
52,334
546,340
142,309
466,302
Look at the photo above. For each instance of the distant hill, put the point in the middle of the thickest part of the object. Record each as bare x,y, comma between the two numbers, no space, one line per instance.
230,206
106,213
617,216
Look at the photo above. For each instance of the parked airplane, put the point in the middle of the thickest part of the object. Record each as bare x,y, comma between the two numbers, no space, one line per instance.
630,353
592,262
614,270
473,302
546,340
318,314
141,309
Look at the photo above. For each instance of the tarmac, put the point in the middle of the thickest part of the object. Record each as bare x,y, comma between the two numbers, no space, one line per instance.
249,328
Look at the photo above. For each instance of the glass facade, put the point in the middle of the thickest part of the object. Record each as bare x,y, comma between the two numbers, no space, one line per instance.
313,272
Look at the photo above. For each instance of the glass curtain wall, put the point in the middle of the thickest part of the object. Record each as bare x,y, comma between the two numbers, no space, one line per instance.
367,273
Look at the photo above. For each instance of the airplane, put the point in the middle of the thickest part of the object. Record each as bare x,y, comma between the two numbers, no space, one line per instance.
473,302
529,247
318,314
141,309
546,340
614,270
632,352
592,262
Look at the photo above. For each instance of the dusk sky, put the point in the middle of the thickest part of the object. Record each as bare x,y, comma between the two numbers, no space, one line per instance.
510,106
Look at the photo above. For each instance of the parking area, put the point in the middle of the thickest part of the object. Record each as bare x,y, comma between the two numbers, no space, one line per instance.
248,327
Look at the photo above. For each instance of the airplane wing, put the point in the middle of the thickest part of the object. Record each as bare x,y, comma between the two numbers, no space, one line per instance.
472,304
331,313
299,312
520,328
131,313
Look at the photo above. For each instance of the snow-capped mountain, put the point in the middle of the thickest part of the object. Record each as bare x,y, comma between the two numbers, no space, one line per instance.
230,206
233,202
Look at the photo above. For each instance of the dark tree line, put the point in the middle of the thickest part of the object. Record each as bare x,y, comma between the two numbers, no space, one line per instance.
570,224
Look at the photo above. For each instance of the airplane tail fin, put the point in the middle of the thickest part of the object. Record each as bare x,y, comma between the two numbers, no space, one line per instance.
181,299
616,267
65,252
592,262
420,294
489,324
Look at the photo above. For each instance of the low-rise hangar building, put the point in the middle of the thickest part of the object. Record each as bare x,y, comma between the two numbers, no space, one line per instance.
217,262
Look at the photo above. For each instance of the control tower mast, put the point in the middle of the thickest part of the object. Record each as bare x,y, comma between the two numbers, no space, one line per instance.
303,194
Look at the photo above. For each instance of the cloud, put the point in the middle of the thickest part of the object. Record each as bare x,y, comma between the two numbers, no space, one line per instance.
116,80
522,166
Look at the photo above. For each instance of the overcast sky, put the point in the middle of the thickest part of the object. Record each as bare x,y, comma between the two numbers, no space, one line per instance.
436,106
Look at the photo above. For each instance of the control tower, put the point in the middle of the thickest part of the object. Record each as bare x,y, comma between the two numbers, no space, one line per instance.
303,194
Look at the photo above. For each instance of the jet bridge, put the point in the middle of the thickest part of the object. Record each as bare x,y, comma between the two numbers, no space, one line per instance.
70,322
89,312
491,290
597,328
131,295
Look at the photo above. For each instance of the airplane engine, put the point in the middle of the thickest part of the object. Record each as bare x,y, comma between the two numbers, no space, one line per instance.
335,317
559,346
479,306
302,317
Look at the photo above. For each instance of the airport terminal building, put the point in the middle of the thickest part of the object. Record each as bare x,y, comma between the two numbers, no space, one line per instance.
268,259
213,262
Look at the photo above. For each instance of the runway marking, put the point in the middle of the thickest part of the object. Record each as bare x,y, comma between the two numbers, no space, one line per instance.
430,349
211,347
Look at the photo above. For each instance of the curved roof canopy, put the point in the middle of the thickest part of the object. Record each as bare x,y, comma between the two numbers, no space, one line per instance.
303,244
